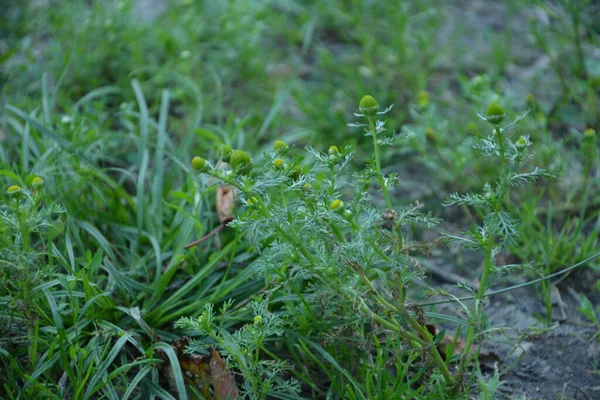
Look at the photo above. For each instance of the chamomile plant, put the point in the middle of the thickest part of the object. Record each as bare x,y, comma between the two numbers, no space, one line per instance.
324,246
26,228
498,226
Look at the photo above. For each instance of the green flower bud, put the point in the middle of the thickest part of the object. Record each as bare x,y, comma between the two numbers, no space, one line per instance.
368,105
334,151
423,99
307,187
257,320
278,163
252,201
521,143
295,172
224,152
198,163
241,162
13,190
337,205
495,114
280,145
530,99
37,182
589,133
430,135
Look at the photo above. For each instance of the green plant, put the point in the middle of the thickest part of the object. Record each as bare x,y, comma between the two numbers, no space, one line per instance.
308,236
587,308
262,377
498,228
26,231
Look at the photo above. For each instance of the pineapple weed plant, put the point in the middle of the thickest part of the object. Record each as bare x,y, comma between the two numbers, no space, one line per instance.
331,257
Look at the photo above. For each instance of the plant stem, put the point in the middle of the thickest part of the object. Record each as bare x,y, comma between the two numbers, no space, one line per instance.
25,247
500,142
548,302
380,179
423,337
487,267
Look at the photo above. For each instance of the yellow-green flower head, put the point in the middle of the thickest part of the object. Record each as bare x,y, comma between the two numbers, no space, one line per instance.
589,133
13,190
333,151
308,187
280,145
278,163
257,319
224,152
241,162
521,143
337,205
37,182
495,114
368,105
423,99
198,163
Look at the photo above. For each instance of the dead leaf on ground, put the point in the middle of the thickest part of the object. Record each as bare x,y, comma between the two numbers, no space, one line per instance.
221,378
201,371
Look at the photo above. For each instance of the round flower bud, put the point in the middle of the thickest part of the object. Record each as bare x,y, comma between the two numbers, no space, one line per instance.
198,163
280,145
337,205
257,319
223,152
240,161
430,135
295,172
521,143
307,187
278,163
37,182
333,151
13,190
589,133
495,114
368,105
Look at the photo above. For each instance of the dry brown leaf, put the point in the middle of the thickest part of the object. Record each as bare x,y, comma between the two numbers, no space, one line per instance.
225,202
221,378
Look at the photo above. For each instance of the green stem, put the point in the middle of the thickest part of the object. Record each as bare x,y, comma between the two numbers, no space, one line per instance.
437,358
422,338
548,302
500,142
336,231
25,247
487,267
332,186
384,188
